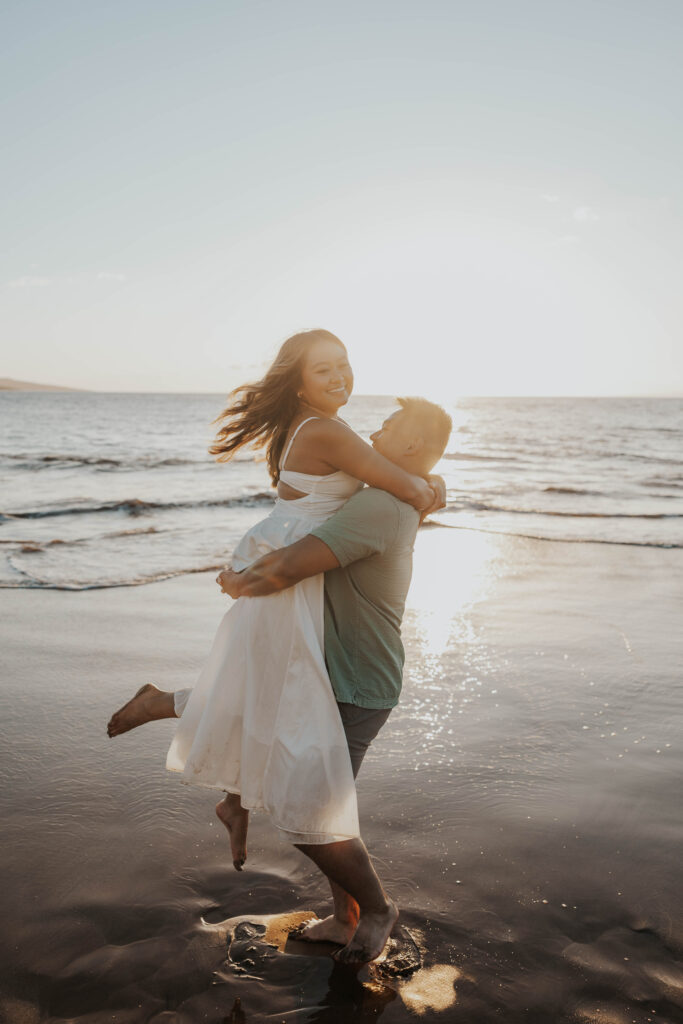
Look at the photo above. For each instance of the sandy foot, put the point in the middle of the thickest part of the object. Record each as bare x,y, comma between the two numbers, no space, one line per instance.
148,705
369,938
327,930
236,820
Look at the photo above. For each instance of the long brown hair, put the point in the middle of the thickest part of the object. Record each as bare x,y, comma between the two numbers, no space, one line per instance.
261,414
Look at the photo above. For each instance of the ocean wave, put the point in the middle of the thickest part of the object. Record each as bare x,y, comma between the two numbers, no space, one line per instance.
524,456
469,457
31,546
553,540
570,490
136,506
33,461
481,506
637,457
673,482
639,428
34,583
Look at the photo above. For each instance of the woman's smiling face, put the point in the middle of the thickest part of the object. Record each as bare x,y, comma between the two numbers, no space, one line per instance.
326,377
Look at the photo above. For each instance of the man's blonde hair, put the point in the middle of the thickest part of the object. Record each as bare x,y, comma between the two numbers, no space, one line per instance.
434,424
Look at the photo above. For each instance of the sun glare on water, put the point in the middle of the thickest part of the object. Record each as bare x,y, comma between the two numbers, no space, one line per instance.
452,570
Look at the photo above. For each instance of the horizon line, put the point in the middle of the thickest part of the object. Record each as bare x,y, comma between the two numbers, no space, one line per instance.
62,389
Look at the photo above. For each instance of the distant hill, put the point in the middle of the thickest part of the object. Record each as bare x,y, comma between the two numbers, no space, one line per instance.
7,384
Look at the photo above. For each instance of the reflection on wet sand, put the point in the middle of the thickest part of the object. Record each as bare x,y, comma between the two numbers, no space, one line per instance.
432,988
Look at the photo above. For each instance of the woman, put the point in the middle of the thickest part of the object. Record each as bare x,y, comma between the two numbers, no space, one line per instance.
262,723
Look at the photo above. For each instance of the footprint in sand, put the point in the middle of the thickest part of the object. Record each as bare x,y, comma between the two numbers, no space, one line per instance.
260,947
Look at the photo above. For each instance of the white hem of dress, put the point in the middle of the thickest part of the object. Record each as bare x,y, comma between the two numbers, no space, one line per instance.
285,835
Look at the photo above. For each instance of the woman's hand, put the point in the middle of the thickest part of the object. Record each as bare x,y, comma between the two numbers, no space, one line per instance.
423,497
229,582
438,486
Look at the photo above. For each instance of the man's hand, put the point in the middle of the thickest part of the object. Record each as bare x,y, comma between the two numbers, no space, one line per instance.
279,569
229,582
438,486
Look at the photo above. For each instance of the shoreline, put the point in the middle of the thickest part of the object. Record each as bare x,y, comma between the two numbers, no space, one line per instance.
429,526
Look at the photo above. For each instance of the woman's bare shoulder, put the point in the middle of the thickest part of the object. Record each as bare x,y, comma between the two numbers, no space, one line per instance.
329,430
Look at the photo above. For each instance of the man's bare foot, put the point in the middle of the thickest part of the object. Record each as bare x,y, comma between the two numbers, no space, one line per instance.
370,937
236,820
327,930
148,705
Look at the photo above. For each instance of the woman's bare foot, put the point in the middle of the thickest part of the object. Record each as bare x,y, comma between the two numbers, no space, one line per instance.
148,705
236,820
327,930
370,937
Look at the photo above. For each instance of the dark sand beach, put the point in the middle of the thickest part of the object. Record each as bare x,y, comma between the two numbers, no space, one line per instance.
522,806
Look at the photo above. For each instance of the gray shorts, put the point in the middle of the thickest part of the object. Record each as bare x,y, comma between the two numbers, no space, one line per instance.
361,725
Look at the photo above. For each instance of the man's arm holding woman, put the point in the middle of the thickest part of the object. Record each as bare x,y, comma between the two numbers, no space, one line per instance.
310,556
279,569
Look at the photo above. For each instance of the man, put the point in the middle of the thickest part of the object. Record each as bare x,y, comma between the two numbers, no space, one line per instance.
365,550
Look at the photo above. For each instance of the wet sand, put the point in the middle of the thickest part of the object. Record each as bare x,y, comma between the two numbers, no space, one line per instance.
522,805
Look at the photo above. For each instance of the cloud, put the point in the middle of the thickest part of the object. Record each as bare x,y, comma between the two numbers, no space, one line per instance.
29,281
547,198
106,275
585,215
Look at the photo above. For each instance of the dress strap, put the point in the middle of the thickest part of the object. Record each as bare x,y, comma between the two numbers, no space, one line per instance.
291,440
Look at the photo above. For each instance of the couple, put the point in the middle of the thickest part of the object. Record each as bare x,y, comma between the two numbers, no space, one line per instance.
305,668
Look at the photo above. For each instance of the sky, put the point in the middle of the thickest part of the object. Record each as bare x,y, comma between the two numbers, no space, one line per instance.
479,198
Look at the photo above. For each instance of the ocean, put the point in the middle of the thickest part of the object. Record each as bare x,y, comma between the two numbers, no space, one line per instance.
521,805
102,490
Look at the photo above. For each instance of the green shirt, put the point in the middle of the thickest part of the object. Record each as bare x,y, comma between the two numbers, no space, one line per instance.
372,536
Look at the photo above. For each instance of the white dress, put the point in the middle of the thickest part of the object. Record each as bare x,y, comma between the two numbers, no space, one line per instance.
262,720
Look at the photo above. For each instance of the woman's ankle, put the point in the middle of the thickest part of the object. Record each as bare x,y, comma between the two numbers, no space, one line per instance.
233,804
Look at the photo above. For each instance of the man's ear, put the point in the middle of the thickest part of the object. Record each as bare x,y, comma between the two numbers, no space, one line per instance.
416,445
